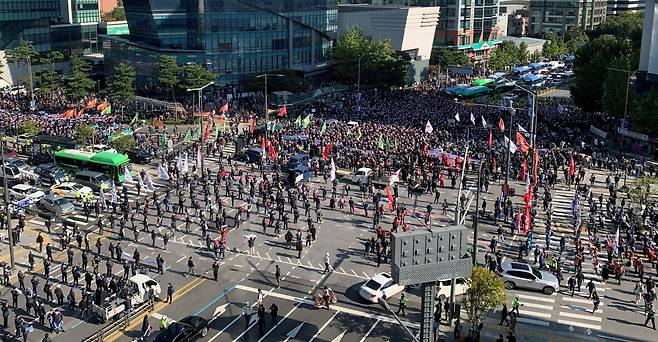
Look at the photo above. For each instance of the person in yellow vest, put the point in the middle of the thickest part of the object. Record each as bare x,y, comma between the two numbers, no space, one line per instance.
163,323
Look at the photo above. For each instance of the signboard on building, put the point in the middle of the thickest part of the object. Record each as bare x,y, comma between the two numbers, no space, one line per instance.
118,30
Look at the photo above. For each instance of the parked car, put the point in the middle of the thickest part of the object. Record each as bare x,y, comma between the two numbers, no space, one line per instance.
381,285
525,276
11,172
20,164
22,191
361,176
57,205
92,179
39,158
24,139
50,174
443,287
187,329
70,190
139,156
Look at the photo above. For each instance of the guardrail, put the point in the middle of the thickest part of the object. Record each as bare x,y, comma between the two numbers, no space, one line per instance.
120,322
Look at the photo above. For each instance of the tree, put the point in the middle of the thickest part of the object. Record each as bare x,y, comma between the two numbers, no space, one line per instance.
575,40
169,74
554,46
644,112
84,133
522,53
380,64
23,54
505,55
446,57
197,76
122,83
79,84
535,56
486,292
50,80
123,143
31,127
616,87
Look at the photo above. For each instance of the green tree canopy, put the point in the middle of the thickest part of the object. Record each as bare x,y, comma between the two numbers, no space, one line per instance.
24,53
79,83
627,25
169,72
197,76
535,57
446,57
485,293
123,143
84,133
554,46
122,83
522,53
616,85
30,126
507,54
380,64
643,113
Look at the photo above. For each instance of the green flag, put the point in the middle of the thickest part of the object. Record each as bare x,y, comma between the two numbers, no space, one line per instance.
358,134
188,137
216,135
396,144
163,141
324,128
135,118
307,121
380,144
224,127
298,122
386,145
107,110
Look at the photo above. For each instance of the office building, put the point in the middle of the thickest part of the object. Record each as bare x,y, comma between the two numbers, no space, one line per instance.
565,15
618,7
67,25
409,29
647,76
233,38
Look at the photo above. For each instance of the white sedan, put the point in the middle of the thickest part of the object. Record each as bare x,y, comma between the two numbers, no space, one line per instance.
23,191
71,190
381,285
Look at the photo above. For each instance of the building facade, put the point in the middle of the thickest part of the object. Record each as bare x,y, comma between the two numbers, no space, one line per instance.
547,16
647,76
233,38
409,29
67,25
618,7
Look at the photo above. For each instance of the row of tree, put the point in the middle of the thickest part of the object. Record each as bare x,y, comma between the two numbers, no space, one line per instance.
604,69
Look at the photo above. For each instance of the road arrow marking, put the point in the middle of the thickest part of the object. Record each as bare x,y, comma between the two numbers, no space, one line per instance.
220,310
254,319
339,337
294,332
588,331
571,328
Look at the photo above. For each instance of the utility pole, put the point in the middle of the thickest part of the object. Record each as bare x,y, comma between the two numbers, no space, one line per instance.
200,90
7,204
267,114
509,149
453,281
476,219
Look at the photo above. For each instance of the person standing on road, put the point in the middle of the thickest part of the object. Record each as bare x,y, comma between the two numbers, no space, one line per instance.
403,305
277,275
215,270
274,309
572,284
170,293
190,267
246,314
515,305
327,268
503,315
590,288
595,301
651,316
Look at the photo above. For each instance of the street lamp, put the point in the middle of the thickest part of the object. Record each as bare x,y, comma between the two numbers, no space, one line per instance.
628,85
200,90
267,116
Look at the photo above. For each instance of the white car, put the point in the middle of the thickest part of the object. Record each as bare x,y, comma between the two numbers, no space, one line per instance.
101,148
361,175
23,191
381,285
69,189
443,287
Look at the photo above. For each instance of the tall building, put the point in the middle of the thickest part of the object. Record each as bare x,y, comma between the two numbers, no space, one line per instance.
233,38
68,25
408,29
559,16
647,76
618,7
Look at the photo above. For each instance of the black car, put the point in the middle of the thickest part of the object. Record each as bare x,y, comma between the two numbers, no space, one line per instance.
249,156
140,156
50,174
39,158
187,329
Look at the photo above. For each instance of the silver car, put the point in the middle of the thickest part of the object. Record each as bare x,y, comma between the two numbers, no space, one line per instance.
524,276
57,205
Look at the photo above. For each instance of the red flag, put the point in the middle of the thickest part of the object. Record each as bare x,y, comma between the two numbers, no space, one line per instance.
102,106
206,134
224,108
327,150
493,166
524,170
80,112
67,113
224,173
283,111
501,125
390,197
272,151
572,167
263,144
490,139
458,162
91,104
523,144
252,124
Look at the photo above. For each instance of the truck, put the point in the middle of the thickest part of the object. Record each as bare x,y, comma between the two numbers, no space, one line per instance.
137,290
299,174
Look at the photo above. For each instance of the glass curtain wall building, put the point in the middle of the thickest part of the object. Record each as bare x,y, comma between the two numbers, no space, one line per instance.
233,38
